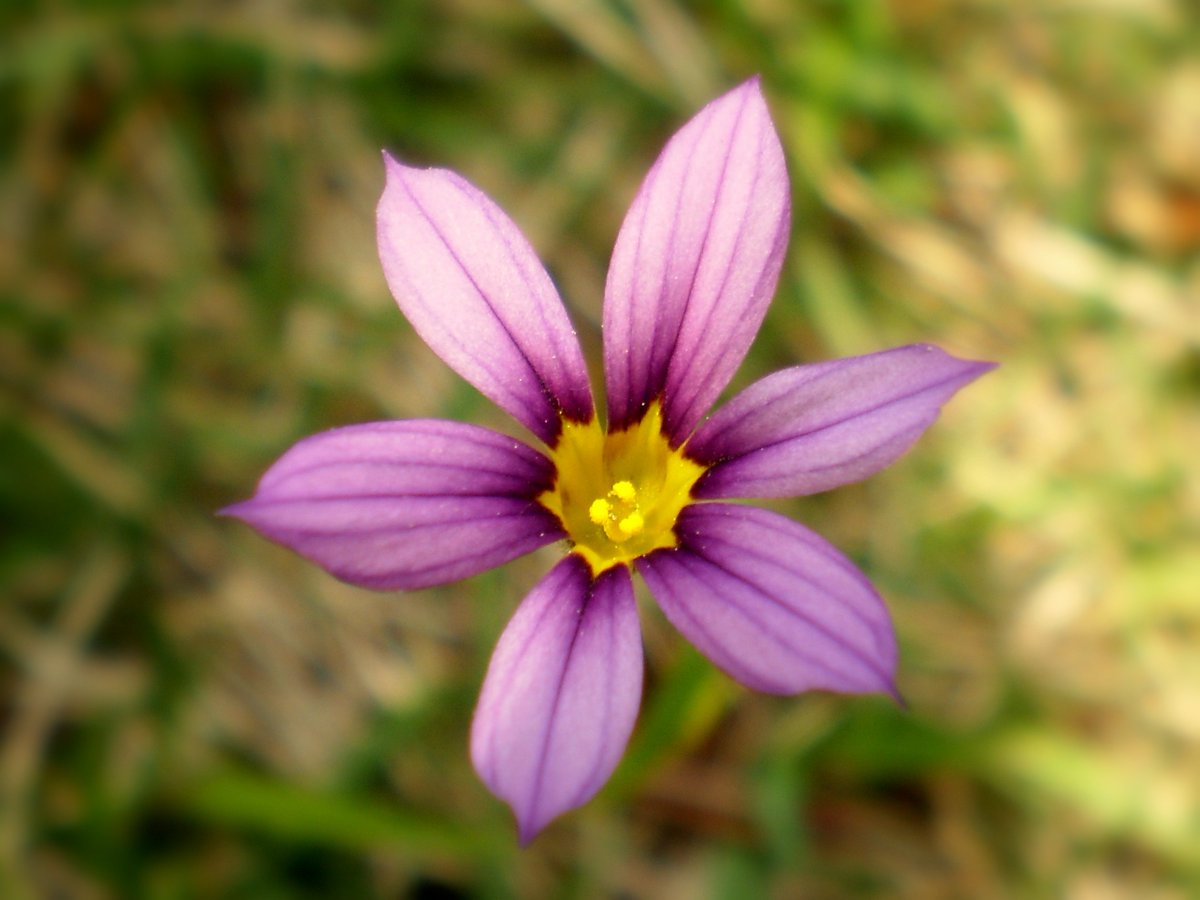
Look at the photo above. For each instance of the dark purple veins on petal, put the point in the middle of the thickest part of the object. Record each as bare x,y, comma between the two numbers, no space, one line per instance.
771,603
403,505
811,428
695,263
473,288
561,694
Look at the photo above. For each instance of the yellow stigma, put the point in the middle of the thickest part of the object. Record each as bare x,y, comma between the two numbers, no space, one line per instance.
618,495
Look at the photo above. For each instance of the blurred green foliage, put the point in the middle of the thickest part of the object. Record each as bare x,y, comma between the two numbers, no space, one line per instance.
188,284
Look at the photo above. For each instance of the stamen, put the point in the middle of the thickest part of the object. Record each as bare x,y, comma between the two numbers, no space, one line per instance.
632,524
599,511
624,490
619,495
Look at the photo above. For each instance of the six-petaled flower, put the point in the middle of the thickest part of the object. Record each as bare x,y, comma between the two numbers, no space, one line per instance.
409,504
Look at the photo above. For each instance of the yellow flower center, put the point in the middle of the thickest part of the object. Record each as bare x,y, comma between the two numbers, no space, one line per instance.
618,495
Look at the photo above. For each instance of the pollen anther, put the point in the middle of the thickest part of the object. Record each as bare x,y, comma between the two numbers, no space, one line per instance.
624,490
599,511
632,524
618,494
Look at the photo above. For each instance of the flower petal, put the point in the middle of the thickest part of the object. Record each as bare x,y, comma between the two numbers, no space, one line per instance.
473,288
812,428
696,263
561,694
773,604
405,504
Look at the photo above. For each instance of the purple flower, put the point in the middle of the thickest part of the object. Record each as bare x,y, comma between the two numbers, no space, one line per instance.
403,505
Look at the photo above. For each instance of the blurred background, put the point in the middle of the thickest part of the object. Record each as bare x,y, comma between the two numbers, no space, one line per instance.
188,284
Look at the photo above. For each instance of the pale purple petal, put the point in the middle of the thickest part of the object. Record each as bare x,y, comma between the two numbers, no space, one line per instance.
696,263
402,505
473,288
771,603
561,694
816,427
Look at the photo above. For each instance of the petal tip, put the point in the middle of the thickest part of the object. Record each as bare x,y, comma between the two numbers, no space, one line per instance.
400,174
396,173
235,510
880,678
966,370
973,370
885,677
528,829
392,167
977,366
749,92
753,85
